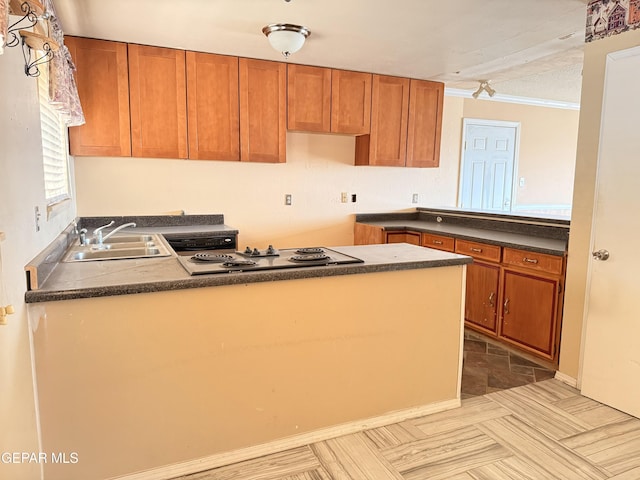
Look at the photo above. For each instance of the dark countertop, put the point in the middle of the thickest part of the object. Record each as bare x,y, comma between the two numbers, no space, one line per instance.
122,277
541,235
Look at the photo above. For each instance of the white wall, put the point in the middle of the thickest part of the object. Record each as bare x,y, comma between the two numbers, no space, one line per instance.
251,196
22,188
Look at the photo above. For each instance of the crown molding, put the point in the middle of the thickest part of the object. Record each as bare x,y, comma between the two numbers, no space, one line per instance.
538,102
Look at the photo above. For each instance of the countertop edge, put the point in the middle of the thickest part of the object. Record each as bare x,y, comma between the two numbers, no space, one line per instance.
203,281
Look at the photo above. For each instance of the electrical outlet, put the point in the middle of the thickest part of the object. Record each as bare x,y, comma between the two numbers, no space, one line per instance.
522,182
37,217
287,199
353,197
344,197
414,198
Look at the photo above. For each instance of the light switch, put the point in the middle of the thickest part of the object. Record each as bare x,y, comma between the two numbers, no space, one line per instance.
522,181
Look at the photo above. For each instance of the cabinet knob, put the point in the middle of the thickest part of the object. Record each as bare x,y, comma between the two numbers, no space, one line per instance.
491,299
506,306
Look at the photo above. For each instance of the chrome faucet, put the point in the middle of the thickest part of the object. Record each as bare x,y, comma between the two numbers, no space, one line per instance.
117,229
97,233
98,238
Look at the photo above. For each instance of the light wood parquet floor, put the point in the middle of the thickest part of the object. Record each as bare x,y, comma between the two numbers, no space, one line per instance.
540,431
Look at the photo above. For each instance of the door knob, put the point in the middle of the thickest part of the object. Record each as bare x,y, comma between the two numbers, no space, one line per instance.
601,255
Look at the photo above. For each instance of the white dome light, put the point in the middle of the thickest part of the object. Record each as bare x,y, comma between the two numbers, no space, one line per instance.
285,37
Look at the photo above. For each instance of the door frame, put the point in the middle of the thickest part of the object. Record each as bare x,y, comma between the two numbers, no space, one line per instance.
516,153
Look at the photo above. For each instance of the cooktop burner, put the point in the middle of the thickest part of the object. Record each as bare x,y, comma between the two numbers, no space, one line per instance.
311,257
211,257
254,259
309,250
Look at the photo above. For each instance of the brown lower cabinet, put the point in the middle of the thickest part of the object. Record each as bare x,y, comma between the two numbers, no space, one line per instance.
529,311
512,295
481,305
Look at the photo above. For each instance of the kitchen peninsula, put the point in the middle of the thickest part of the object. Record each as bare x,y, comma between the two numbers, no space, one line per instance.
237,365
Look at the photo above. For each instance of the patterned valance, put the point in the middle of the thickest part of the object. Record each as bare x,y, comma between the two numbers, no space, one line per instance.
611,17
4,23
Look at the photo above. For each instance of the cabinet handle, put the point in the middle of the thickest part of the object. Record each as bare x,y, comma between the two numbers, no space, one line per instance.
491,299
477,250
437,242
506,307
530,260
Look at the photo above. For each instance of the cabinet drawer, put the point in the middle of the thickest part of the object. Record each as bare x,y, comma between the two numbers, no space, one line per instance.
536,261
403,237
477,250
438,241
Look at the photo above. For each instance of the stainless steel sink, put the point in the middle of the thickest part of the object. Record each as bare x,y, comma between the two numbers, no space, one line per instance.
120,247
130,238
119,253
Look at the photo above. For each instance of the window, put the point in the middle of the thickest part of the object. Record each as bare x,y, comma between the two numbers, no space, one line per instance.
54,144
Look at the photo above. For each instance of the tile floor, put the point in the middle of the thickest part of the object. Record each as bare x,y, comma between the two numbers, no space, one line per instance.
488,367
540,431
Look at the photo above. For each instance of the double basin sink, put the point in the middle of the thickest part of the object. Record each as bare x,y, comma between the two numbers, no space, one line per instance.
119,247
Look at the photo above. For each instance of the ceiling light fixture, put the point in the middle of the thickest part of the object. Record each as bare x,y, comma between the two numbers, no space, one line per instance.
484,86
286,37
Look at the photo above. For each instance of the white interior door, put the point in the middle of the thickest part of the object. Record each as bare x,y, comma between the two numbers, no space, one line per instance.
611,355
489,155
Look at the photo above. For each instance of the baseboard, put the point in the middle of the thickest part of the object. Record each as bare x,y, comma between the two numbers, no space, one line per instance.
564,378
218,460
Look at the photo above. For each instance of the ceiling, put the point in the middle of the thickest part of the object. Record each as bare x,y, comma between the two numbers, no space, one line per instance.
530,48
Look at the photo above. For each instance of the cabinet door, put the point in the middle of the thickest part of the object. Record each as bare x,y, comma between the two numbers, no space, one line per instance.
425,123
481,305
367,234
389,116
529,311
262,111
308,98
102,76
213,107
157,85
350,102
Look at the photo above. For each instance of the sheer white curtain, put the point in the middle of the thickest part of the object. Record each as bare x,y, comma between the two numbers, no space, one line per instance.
63,92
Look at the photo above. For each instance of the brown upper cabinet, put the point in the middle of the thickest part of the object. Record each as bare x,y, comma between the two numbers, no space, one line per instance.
387,143
167,103
425,123
158,96
103,85
328,101
213,107
406,124
350,102
263,107
308,98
